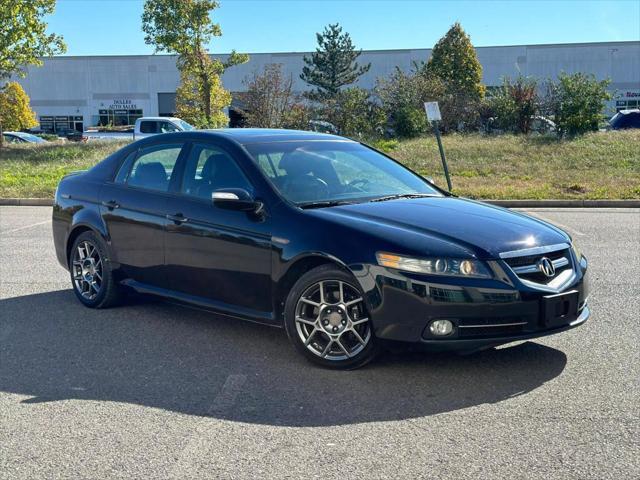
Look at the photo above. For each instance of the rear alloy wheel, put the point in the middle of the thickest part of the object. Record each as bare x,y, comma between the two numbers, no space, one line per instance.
329,321
91,275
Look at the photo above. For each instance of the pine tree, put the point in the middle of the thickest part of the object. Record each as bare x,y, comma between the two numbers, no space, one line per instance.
333,64
454,60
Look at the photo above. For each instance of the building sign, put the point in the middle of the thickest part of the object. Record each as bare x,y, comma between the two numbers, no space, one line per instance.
122,104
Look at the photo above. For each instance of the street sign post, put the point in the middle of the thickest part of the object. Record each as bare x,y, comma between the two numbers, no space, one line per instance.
434,117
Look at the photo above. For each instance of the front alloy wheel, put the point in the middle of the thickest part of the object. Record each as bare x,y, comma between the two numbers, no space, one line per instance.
329,321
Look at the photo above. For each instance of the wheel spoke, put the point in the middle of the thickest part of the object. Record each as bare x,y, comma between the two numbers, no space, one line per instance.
346,352
353,302
81,253
341,285
306,321
357,335
326,349
321,292
310,337
358,322
310,302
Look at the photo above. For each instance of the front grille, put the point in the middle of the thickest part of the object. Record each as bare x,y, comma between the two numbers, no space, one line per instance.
526,266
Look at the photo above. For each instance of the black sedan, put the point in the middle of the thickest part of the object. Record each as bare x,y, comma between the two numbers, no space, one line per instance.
342,246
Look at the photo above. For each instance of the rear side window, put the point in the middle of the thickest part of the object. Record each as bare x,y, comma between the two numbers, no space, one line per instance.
148,127
154,166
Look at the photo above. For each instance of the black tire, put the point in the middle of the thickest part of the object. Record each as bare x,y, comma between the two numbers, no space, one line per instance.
109,293
328,274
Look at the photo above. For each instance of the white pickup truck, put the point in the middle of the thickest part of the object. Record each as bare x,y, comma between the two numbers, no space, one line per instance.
145,127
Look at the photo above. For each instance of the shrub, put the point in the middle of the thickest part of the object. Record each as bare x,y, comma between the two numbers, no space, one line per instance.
576,101
402,97
514,104
354,113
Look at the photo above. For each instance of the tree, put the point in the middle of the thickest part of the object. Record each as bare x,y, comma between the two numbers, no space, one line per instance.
402,96
333,65
269,97
185,27
454,60
515,104
576,102
354,113
15,112
23,37
202,103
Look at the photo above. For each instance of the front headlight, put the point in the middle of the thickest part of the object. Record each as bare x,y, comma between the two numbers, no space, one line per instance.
435,265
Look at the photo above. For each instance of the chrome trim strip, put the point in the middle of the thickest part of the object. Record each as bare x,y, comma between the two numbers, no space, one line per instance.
525,252
558,263
493,325
564,279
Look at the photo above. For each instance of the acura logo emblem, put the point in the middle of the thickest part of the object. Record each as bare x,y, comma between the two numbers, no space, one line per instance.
546,266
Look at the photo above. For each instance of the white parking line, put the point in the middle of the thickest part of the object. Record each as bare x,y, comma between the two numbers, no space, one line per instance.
201,435
564,227
25,227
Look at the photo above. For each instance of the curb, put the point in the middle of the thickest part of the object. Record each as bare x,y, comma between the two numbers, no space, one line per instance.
48,202
565,203
27,202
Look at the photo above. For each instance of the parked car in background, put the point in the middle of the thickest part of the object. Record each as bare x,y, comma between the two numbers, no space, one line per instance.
625,119
21,137
542,125
147,126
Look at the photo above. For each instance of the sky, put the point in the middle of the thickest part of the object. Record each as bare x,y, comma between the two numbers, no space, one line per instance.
94,27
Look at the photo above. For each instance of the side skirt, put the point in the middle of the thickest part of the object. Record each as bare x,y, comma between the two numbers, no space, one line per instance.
200,303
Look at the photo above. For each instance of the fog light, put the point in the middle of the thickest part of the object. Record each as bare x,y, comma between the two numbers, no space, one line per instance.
441,328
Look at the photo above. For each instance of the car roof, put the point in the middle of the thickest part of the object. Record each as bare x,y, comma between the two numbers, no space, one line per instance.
268,135
154,119
628,111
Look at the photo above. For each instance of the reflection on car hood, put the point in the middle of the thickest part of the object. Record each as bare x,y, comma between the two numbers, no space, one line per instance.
464,222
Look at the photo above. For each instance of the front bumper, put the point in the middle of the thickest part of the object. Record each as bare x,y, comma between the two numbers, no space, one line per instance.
485,313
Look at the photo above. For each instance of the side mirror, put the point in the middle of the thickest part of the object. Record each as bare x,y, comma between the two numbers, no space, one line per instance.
235,199
430,180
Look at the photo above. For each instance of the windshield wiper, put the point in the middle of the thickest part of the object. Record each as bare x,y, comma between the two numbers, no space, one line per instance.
403,195
324,203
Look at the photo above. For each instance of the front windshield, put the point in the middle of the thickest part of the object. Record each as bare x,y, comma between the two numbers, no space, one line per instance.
185,126
333,171
31,138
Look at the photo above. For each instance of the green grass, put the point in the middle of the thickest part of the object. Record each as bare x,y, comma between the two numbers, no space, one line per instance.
34,170
596,166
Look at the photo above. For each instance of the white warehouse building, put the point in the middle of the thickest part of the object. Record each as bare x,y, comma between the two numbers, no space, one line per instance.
72,92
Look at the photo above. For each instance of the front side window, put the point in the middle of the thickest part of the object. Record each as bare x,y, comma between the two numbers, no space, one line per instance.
327,171
168,127
153,168
209,168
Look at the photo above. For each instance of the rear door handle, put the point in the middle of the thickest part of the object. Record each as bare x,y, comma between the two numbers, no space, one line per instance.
177,218
111,204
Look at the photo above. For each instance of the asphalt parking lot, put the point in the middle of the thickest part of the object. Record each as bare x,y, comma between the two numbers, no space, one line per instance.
154,390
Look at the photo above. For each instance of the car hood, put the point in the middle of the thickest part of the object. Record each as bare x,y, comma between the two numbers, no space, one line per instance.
484,229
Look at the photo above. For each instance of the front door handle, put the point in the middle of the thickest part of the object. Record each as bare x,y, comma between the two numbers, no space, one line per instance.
111,204
178,218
